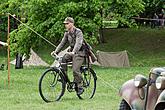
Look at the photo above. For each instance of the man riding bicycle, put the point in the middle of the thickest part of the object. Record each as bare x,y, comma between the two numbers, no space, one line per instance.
76,53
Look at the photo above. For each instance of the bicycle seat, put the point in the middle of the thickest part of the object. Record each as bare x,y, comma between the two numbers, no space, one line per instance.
69,63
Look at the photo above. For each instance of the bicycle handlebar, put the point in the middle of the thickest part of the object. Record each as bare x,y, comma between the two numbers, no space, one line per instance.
57,57
54,55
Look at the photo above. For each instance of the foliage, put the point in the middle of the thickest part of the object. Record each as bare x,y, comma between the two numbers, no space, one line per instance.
153,6
3,27
123,10
6,6
46,17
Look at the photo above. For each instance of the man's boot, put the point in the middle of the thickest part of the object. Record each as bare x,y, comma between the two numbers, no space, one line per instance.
80,88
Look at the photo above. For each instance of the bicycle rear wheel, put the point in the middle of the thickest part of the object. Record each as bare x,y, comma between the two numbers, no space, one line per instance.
51,85
89,83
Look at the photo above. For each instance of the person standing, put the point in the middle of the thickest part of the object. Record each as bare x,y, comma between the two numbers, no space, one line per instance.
162,17
155,21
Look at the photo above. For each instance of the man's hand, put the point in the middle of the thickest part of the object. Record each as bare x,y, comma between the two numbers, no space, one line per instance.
70,53
53,53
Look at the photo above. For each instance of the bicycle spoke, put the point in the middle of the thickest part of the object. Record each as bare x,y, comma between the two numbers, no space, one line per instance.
89,85
51,86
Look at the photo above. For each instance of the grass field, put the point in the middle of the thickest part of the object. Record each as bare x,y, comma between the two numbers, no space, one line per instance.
145,46
22,94
147,49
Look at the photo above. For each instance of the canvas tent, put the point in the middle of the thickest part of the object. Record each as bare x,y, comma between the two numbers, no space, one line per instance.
34,60
113,59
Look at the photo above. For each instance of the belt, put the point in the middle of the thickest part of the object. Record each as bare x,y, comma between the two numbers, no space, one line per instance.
81,49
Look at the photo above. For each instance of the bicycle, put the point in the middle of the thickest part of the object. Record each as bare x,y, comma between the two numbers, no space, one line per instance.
53,82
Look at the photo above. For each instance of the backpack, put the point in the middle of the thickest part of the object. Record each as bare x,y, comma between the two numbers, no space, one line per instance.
88,49
89,52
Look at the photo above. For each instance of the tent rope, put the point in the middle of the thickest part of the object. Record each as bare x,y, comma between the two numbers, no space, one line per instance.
32,30
136,58
107,83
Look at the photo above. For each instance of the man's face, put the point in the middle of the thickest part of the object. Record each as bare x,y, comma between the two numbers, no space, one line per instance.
68,25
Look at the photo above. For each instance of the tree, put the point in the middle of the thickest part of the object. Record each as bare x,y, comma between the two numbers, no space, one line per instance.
153,6
7,6
47,16
123,11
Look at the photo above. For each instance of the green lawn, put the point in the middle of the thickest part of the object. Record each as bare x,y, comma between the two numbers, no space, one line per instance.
146,49
22,94
145,46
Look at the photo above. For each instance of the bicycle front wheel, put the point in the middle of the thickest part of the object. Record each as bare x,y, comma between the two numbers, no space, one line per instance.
89,83
51,85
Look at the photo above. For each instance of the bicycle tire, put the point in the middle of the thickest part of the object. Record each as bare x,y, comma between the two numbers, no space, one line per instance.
89,83
51,85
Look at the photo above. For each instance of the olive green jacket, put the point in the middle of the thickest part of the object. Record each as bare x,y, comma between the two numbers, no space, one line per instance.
75,40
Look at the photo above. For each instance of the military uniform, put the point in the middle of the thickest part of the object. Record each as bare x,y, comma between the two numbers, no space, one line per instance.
75,40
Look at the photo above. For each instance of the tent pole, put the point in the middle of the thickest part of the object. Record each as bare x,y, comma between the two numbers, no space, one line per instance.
8,50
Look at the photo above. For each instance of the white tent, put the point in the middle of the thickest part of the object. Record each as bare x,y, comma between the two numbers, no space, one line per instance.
34,60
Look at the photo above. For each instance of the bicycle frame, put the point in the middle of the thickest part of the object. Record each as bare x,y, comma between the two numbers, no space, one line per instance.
59,66
59,77
71,85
